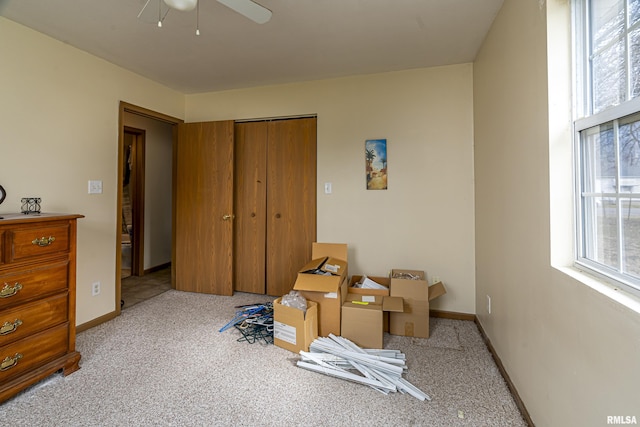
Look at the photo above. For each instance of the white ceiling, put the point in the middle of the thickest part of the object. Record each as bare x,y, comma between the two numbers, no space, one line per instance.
305,39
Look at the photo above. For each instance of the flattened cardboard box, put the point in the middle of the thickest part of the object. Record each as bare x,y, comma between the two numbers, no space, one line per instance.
414,321
362,318
292,328
328,291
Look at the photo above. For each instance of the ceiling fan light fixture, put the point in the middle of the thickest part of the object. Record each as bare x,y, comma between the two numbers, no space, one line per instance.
183,5
248,8
198,20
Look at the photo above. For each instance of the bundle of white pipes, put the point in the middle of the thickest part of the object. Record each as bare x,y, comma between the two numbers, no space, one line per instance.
380,369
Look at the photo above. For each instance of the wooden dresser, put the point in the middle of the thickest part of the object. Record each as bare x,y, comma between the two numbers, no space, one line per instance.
37,299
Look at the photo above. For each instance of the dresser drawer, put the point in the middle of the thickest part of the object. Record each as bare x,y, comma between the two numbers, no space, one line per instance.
36,350
22,285
39,241
31,318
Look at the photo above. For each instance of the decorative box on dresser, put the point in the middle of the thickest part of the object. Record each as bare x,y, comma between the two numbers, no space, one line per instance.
37,299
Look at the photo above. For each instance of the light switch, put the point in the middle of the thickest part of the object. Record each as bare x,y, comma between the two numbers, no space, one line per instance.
327,188
95,187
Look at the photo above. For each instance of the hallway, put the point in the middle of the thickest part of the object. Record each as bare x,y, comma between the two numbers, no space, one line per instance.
136,289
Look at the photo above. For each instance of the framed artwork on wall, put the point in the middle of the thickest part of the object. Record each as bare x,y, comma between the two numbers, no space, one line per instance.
375,153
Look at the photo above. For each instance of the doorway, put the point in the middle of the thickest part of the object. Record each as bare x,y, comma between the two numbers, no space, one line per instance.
145,190
132,200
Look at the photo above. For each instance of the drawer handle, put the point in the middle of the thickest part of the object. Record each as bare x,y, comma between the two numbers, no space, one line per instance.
9,362
9,291
10,327
44,241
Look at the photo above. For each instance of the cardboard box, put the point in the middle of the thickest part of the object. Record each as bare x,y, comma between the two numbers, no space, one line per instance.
336,250
292,328
414,321
362,318
328,292
336,269
329,296
385,281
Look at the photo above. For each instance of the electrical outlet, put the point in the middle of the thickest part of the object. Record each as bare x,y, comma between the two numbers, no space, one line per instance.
488,304
436,279
95,289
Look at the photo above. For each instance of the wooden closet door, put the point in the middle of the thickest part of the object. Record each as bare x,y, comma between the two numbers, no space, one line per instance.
204,208
291,200
250,207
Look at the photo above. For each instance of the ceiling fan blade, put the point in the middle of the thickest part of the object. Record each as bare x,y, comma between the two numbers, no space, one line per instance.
183,5
250,9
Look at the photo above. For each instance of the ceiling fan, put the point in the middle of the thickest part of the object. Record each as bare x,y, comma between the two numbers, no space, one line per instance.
248,8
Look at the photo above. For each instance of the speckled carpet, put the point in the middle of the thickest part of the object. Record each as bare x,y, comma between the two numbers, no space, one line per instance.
164,363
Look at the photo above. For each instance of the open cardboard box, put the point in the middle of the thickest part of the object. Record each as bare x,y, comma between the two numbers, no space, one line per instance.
385,281
328,292
414,320
292,328
363,320
336,269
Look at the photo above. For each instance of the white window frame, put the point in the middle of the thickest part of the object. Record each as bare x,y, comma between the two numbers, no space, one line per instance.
583,120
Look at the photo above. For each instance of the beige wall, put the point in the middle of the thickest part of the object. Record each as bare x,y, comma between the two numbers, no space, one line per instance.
59,129
571,352
60,109
425,219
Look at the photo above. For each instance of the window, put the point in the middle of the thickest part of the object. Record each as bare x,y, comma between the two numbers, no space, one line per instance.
607,126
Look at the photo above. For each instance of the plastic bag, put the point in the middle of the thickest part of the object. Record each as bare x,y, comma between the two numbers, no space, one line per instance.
295,300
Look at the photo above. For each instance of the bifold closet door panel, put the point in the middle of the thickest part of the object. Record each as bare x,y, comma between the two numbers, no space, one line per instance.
291,200
204,208
250,207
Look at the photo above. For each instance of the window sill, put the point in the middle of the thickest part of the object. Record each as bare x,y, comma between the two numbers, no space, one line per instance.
603,287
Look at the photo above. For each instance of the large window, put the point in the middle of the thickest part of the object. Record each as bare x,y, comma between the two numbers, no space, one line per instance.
607,125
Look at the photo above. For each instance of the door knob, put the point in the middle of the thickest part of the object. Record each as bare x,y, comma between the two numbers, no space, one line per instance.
227,217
